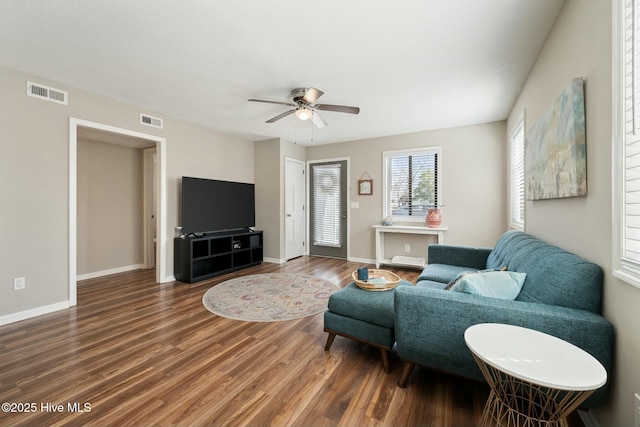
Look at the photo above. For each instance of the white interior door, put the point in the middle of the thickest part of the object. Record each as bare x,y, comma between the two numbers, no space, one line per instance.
294,199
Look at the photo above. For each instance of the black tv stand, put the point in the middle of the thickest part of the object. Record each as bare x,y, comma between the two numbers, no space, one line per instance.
213,254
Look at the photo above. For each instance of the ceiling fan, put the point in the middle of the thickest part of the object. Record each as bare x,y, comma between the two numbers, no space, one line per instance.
304,102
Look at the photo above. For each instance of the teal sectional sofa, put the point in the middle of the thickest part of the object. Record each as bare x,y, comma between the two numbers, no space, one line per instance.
561,296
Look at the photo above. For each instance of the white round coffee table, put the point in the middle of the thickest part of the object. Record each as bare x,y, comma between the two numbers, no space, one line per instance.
536,379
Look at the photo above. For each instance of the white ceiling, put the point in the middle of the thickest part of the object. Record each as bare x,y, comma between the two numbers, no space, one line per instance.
410,65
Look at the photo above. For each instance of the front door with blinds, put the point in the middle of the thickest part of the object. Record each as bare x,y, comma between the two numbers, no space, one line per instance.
328,209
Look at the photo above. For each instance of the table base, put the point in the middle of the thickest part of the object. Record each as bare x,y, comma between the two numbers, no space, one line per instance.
517,403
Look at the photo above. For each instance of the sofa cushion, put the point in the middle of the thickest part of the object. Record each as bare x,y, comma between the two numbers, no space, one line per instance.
493,284
443,273
369,306
430,284
461,276
554,276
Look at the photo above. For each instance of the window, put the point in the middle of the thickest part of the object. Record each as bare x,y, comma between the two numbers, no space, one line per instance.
327,230
411,183
626,140
516,146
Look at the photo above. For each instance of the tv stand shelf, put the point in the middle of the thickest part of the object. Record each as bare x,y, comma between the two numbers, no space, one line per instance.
200,258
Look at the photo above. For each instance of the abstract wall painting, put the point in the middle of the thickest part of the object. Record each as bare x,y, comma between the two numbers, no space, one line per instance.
556,149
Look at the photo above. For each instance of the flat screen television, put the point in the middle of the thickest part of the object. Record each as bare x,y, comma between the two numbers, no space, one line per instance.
210,205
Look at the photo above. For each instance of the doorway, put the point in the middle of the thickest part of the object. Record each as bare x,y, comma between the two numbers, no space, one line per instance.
160,209
149,190
328,208
294,201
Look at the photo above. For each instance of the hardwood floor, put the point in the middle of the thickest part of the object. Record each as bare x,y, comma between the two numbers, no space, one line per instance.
136,353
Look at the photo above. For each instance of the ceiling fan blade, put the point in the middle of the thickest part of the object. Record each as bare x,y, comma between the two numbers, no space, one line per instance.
312,95
317,120
272,102
338,108
280,116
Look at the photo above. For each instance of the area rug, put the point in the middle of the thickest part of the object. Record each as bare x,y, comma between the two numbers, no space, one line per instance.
269,297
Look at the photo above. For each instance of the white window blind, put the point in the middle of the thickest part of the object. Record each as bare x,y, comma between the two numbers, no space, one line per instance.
626,124
632,140
516,139
411,183
327,230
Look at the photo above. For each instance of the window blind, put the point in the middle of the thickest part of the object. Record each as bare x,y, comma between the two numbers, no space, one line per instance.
327,229
411,183
631,156
517,175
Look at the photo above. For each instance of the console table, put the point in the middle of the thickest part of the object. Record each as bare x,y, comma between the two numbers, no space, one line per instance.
406,229
536,379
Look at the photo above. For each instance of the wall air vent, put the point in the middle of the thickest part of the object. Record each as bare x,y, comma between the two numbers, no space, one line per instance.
47,93
150,121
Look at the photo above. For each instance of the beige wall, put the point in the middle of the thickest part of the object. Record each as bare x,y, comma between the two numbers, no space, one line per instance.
473,187
34,177
270,184
268,193
109,215
581,45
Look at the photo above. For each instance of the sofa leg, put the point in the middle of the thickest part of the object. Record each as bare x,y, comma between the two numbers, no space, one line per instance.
385,359
406,372
330,339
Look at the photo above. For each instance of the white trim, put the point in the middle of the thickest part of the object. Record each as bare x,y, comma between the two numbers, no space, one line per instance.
33,312
623,270
617,129
519,124
362,260
110,271
428,149
148,185
161,209
274,260
73,211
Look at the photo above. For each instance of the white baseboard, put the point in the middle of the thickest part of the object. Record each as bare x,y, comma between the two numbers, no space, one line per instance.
33,312
110,271
362,260
274,260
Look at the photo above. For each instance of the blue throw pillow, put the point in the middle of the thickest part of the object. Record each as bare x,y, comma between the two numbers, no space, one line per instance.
493,284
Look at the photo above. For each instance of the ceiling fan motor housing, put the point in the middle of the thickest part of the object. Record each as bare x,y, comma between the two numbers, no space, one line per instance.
299,93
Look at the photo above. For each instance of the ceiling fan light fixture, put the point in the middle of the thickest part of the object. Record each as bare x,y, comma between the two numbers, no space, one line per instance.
303,113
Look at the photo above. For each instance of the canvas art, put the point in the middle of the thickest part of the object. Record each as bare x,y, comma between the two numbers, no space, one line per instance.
556,150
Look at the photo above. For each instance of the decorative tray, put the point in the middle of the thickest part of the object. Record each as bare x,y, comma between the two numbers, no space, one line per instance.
379,280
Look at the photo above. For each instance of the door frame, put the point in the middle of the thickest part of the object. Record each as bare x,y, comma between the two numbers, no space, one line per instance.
161,201
305,250
149,194
348,202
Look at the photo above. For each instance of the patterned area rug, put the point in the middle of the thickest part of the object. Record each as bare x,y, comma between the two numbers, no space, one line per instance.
269,297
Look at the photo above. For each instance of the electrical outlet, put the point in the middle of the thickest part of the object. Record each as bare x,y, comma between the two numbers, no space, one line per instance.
637,408
407,248
19,283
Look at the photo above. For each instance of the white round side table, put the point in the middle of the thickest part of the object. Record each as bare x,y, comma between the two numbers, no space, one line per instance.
536,379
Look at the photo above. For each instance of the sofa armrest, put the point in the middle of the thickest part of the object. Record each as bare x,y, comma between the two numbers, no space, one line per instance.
464,256
430,325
